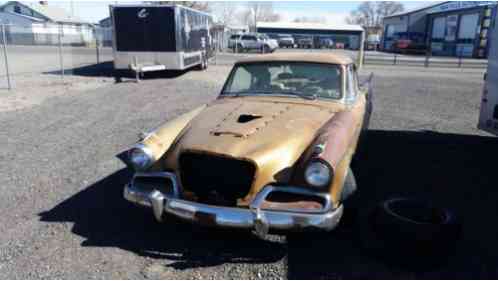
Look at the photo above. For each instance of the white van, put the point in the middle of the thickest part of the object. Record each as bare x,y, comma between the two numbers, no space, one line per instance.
488,118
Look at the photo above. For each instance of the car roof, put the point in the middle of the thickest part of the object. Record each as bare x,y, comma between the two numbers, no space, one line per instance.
328,58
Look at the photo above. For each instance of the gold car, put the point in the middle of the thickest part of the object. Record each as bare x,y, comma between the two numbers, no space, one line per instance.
272,152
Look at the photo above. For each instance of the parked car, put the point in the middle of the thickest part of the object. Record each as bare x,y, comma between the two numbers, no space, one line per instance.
326,43
406,42
372,42
271,41
286,41
272,152
256,42
305,43
233,40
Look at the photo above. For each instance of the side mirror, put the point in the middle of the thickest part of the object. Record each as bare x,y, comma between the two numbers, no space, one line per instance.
367,81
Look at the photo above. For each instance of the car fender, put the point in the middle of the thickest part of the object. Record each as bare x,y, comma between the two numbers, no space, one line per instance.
161,139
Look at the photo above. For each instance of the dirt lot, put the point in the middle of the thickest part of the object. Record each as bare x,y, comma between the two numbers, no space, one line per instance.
63,215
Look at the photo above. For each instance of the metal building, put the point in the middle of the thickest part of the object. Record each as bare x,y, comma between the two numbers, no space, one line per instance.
350,36
447,28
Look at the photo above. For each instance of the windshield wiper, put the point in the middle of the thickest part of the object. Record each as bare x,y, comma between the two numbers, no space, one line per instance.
301,95
284,93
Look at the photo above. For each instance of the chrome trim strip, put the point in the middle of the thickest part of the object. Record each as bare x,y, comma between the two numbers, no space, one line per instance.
260,220
167,175
263,194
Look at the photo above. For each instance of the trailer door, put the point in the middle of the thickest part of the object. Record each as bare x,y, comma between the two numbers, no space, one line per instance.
488,119
145,29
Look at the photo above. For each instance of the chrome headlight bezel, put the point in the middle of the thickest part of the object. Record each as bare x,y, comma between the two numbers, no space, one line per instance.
318,174
140,157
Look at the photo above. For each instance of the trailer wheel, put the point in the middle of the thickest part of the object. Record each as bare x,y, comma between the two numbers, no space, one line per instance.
205,63
118,77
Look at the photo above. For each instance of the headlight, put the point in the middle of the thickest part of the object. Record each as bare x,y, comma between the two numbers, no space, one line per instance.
141,157
318,174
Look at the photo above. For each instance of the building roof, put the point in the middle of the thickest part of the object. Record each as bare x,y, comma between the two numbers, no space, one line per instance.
329,57
8,16
416,9
52,13
443,6
313,26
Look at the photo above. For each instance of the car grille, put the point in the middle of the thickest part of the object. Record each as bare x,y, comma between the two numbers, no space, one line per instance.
215,179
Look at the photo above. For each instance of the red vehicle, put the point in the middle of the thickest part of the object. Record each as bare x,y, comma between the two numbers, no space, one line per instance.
406,42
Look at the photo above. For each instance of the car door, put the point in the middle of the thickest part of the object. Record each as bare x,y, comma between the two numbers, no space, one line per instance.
253,42
488,118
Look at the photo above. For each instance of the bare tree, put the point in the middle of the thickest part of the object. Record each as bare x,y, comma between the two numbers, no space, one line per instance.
310,19
198,5
371,14
260,11
225,12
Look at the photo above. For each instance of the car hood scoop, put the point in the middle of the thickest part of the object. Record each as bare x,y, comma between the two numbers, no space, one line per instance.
248,118
244,118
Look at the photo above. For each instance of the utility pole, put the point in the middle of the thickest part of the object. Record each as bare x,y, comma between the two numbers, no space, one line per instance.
6,56
72,9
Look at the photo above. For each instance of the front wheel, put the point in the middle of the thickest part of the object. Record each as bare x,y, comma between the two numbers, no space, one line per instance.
266,49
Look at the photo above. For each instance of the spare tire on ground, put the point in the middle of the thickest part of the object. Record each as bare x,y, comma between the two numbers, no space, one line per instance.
410,232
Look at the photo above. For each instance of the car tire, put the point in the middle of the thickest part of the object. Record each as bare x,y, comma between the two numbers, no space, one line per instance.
239,48
424,235
266,49
203,64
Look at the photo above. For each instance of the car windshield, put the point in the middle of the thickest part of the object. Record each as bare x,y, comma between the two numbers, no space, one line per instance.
298,79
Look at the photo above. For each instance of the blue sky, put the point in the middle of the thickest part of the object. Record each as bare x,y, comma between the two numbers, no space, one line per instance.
94,11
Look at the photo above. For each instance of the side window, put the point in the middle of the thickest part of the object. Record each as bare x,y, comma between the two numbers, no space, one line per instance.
241,80
351,84
245,37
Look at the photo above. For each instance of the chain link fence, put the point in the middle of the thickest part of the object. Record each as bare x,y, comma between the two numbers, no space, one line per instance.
227,52
52,52
52,49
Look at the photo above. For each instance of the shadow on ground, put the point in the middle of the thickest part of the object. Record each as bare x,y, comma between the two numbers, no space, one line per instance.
106,69
105,219
457,171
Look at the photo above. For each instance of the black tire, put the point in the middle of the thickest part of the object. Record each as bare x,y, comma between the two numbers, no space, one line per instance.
409,232
266,49
240,49
118,76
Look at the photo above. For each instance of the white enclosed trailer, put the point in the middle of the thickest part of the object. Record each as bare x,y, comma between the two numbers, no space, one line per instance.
159,37
488,118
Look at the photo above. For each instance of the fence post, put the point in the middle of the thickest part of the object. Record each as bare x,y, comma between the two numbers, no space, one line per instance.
460,60
61,57
395,58
6,57
97,46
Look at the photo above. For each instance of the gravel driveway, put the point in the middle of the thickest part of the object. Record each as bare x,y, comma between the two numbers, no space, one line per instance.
63,215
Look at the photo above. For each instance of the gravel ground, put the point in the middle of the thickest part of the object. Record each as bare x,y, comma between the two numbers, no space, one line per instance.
63,215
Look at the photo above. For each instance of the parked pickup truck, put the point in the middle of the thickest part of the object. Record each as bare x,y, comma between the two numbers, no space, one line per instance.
305,43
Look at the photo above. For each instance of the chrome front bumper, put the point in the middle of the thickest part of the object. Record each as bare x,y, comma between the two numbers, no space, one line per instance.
255,217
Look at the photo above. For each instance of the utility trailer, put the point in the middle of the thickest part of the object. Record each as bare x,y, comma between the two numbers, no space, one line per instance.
159,37
488,118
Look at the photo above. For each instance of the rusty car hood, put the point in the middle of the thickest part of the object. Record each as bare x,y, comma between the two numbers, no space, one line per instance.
272,133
